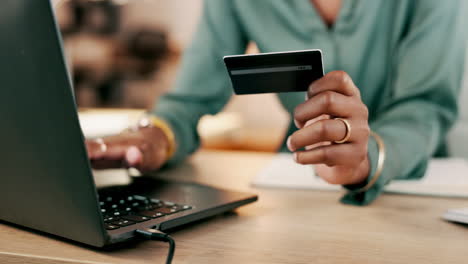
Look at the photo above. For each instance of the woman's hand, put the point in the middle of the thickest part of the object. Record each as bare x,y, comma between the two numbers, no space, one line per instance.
144,149
334,95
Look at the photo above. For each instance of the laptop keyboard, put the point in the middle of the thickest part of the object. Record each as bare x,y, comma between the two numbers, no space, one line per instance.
131,209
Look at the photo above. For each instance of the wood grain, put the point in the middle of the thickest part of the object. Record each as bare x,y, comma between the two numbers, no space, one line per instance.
284,226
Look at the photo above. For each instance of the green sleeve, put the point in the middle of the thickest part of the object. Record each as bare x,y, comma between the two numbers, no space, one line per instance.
202,86
421,106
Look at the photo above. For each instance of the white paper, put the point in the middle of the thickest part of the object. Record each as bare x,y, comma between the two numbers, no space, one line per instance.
111,177
459,215
444,177
99,125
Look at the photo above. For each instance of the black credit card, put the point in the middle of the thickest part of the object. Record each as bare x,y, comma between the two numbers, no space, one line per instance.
277,72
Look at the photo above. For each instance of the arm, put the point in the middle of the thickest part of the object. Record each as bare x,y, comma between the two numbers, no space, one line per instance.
202,85
416,114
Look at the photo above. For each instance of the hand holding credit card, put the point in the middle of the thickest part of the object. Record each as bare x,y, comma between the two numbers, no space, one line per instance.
332,123
277,72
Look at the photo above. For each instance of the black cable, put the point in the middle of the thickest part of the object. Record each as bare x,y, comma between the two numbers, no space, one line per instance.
157,235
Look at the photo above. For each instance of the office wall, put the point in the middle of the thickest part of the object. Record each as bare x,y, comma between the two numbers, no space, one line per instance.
458,137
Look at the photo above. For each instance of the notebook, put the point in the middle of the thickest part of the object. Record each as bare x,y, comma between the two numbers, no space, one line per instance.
444,178
457,215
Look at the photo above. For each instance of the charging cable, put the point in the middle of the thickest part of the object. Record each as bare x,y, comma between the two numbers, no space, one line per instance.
157,235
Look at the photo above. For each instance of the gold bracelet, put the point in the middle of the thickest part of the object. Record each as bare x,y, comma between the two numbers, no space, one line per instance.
154,121
380,162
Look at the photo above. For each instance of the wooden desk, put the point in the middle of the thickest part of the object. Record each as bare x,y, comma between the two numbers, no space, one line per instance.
284,226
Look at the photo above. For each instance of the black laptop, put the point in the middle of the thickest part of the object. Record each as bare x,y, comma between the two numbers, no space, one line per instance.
46,182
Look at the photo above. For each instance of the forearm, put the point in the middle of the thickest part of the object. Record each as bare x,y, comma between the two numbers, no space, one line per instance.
202,84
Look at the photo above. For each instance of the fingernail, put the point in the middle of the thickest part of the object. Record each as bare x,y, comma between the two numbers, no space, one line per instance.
288,144
295,156
133,156
296,123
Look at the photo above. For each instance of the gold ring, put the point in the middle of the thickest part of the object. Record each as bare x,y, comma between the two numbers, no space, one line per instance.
348,131
102,145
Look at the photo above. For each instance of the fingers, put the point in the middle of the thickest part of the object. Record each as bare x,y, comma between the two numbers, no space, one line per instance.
336,81
328,103
333,155
320,131
132,157
326,131
334,95
111,152
94,149
145,149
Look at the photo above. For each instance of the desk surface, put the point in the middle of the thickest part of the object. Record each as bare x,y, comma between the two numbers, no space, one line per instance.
284,226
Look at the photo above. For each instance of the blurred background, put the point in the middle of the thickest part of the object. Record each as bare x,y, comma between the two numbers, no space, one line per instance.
125,54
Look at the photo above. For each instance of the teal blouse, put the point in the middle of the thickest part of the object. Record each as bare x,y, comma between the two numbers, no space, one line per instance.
405,56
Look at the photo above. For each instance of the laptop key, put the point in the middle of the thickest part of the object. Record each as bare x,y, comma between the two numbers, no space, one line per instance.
154,205
111,219
146,207
152,214
123,222
169,204
179,207
173,209
130,209
166,210
111,226
139,198
186,207
136,218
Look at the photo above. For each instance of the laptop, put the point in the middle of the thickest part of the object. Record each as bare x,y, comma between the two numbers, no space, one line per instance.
46,182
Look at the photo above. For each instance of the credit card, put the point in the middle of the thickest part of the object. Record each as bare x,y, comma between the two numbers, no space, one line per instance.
277,72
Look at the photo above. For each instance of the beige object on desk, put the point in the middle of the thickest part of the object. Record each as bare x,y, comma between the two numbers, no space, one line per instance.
284,226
